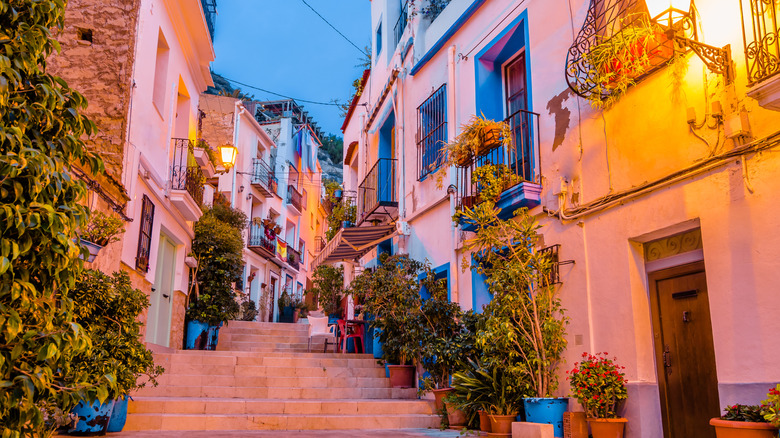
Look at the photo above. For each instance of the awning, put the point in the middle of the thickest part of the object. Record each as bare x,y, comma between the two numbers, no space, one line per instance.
353,243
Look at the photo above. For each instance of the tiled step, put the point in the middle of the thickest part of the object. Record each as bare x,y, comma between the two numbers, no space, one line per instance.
277,392
165,422
226,364
210,406
264,380
197,375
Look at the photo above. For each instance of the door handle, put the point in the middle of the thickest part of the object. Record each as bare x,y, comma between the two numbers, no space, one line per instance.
667,357
166,296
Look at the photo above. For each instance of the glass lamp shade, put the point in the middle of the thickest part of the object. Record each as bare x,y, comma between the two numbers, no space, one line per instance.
228,153
668,12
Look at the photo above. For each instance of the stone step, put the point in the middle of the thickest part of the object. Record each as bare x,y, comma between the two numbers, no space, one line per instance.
297,347
210,406
240,337
313,354
274,372
255,380
227,367
277,392
167,422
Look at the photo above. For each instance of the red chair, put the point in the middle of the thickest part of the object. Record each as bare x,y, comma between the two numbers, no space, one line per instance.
351,331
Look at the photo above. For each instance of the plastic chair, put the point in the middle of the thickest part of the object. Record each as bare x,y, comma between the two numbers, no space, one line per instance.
318,326
351,331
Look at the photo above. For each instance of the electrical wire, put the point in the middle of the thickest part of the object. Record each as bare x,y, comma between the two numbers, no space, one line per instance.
334,28
462,56
281,95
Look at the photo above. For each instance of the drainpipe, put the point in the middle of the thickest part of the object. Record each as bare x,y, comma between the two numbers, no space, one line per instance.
453,187
236,122
400,144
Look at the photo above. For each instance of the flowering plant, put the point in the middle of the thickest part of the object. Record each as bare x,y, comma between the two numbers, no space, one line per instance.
598,385
748,413
771,406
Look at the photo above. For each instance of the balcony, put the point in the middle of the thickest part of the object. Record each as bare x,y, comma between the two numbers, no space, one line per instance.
186,181
294,200
261,241
262,178
378,194
319,244
293,258
760,25
400,25
522,159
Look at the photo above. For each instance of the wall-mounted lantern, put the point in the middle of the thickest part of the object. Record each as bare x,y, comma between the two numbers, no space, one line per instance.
676,17
228,153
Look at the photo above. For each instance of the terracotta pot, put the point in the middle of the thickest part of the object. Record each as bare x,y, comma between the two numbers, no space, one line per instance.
296,315
491,139
456,417
484,422
742,429
438,395
502,424
401,376
607,427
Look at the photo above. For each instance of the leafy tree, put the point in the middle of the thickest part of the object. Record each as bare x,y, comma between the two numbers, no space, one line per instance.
328,287
41,136
218,247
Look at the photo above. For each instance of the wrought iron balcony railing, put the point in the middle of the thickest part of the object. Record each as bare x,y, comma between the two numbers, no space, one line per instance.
295,198
185,173
293,258
319,244
400,25
259,238
521,158
262,177
760,31
378,189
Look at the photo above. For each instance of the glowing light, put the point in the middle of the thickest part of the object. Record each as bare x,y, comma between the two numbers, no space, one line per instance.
668,12
228,153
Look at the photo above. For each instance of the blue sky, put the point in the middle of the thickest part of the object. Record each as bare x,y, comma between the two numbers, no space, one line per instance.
283,46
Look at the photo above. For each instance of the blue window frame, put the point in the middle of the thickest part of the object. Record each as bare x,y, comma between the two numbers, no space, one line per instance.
378,39
431,132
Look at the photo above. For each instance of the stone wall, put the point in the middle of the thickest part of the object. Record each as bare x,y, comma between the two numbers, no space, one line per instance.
98,49
177,320
216,125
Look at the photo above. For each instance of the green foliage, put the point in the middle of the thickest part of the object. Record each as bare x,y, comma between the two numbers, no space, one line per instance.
391,293
443,333
749,413
598,385
218,247
41,136
285,300
328,287
108,311
491,388
770,408
102,229
494,179
524,331
340,210
248,310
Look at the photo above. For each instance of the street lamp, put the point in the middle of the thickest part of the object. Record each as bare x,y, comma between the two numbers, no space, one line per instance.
228,152
674,16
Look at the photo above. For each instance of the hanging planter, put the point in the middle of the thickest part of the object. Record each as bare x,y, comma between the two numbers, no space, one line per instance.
93,248
100,230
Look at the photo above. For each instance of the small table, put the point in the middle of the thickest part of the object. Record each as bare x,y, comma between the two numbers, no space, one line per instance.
352,328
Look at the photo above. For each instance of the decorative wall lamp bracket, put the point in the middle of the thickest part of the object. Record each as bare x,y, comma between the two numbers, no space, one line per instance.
675,21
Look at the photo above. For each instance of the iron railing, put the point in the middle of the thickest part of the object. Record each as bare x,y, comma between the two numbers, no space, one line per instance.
259,237
434,8
293,258
262,175
185,173
760,32
431,132
295,198
319,244
521,158
400,25
378,187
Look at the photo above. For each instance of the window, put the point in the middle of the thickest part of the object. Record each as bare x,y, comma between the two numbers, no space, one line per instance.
378,40
302,248
431,132
145,236
403,18
160,73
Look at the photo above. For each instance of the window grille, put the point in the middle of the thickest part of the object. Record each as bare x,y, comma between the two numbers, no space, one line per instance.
617,46
403,18
760,24
431,132
145,236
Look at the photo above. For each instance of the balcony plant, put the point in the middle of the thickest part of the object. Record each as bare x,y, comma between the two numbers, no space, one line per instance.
476,137
598,383
218,247
100,230
108,311
743,421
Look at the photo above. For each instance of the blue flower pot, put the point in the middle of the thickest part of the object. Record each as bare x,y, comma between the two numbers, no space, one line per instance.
546,411
118,415
197,335
92,419
213,336
376,348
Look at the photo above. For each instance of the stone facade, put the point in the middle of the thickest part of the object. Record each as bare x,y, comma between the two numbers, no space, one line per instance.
177,320
98,50
216,120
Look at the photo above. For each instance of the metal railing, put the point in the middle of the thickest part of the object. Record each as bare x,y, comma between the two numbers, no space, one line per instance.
431,132
760,34
259,237
261,173
378,187
293,258
295,198
400,25
185,173
434,8
319,244
521,158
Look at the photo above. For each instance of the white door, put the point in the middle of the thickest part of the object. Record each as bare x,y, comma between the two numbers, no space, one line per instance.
159,319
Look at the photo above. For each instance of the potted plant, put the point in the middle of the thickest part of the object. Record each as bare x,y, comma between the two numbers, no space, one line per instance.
598,383
218,247
100,230
476,138
771,406
286,309
328,290
744,421
108,311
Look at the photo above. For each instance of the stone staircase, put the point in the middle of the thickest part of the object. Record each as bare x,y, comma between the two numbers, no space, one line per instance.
262,377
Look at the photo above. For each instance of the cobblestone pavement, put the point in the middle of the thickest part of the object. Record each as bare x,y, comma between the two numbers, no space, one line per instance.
402,433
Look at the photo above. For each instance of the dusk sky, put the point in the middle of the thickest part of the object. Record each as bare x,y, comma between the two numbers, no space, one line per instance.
284,47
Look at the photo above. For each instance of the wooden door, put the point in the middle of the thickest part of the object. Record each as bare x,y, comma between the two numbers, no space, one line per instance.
685,355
